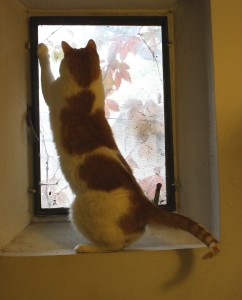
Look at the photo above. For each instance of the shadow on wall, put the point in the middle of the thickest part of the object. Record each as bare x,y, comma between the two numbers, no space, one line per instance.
186,258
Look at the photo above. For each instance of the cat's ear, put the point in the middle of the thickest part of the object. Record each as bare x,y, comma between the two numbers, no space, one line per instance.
91,44
65,47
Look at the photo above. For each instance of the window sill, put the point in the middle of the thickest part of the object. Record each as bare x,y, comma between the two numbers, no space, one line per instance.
55,236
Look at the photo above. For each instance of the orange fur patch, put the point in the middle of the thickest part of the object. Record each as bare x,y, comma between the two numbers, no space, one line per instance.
82,131
159,216
135,219
84,65
104,173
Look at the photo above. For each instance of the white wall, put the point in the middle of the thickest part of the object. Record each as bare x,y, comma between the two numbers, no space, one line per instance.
142,275
14,163
195,114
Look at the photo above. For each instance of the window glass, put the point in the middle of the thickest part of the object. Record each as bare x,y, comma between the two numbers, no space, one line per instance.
132,67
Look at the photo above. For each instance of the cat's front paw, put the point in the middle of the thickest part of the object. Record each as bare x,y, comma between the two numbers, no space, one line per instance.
42,51
86,248
82,248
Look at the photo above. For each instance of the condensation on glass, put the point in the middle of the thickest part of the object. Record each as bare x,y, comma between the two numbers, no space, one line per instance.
132,69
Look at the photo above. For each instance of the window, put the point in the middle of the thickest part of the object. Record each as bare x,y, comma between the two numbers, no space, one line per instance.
135,66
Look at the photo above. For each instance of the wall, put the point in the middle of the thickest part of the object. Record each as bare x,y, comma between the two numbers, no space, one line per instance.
227,24
168,274
14,175
195,128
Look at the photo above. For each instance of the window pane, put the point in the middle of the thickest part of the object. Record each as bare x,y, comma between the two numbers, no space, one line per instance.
131,62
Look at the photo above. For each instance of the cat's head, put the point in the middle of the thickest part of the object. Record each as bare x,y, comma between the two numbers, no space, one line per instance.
83,64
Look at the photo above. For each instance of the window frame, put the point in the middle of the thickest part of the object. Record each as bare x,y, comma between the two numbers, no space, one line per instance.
34,22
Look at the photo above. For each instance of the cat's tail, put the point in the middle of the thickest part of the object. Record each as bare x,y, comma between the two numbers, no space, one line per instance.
158,216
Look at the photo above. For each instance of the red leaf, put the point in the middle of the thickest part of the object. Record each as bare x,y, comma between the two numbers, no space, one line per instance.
107,110
125,75
132,44
112,105
123,66
124,51
117,80
132,163
149,184
113,65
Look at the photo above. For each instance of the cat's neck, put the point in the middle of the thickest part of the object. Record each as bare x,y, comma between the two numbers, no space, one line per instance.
70,87
67,86
97,88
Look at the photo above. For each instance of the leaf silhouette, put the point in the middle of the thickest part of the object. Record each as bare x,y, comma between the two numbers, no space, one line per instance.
110,105
121,74
132,163
117,80
133,43
148,184
129,46
125,75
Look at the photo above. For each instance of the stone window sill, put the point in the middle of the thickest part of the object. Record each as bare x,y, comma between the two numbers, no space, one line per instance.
56,236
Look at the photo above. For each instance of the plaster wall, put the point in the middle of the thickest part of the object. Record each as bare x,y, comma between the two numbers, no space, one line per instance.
141,275
14,147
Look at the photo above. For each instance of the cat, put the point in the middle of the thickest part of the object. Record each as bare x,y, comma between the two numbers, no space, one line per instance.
110,208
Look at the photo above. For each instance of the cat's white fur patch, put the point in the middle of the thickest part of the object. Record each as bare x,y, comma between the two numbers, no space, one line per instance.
97,88
97,213
71,163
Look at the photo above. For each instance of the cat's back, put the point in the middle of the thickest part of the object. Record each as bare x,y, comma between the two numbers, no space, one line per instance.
88,152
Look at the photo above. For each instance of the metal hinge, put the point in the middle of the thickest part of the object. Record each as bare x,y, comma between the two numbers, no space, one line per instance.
32,191
174,186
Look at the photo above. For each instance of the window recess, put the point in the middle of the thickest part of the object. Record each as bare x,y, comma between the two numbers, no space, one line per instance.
134,59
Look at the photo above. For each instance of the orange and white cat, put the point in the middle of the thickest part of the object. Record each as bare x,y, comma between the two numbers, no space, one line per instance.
109,209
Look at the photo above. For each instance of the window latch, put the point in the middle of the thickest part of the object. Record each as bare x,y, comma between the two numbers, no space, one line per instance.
157,194
32,191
